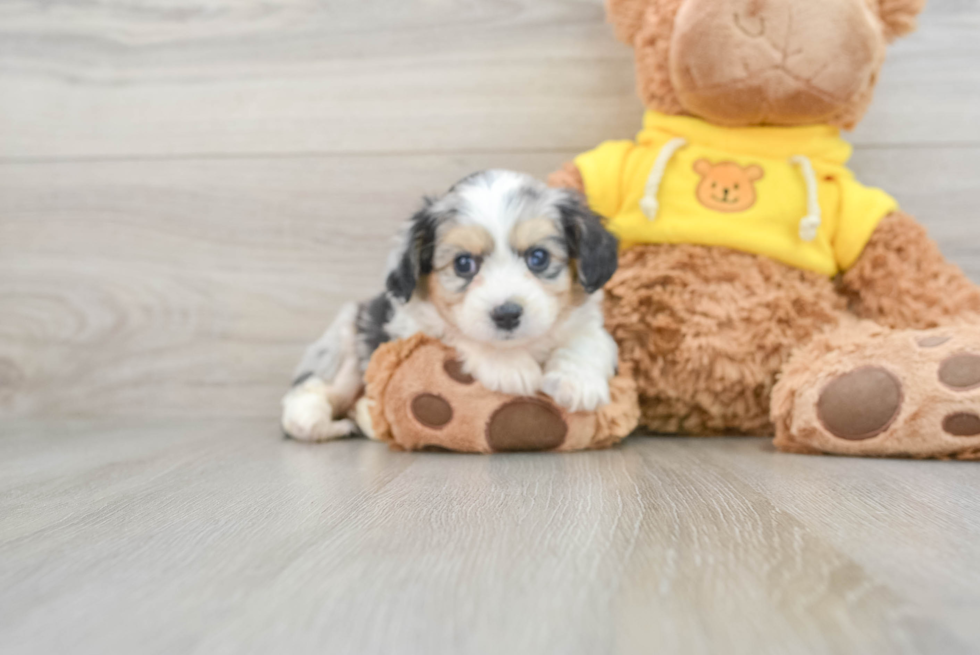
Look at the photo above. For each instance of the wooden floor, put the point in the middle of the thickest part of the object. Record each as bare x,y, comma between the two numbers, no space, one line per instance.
216,537
188,191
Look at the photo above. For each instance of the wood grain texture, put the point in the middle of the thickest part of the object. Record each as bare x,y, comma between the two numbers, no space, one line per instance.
203,538
158,78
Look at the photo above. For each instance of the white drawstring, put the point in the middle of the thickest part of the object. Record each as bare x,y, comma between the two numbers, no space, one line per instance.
650,205
810,224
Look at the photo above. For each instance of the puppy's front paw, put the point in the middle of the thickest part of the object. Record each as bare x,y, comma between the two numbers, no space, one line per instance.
576,390
510,375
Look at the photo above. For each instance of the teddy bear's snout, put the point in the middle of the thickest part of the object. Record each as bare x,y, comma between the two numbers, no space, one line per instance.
798,62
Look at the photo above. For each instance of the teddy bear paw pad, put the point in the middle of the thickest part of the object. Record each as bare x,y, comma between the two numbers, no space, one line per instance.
526,424
960,372
962,424
933,341
431,410
861,404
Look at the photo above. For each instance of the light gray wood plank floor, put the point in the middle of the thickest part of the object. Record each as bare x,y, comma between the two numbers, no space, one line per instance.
193,537
188,191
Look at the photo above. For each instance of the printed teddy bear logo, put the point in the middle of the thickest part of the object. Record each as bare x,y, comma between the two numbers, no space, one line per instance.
726,186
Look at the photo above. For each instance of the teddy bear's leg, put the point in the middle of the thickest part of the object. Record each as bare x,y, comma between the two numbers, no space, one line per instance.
866,390
903,281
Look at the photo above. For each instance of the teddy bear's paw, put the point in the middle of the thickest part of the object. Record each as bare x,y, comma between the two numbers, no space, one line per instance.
307,414
910,393
431,400
576,390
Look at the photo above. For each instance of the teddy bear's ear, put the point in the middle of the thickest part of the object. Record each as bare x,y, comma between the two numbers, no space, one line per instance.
626,17
899,16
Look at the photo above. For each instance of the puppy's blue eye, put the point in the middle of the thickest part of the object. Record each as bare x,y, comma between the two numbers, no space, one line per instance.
537,259
466,265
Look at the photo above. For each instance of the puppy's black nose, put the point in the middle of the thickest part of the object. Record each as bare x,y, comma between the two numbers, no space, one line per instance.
507,316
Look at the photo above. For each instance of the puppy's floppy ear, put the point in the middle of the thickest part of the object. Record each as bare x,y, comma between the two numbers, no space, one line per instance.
595,249
413,259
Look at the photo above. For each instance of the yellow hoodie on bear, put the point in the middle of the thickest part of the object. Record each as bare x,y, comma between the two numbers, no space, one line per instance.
782,192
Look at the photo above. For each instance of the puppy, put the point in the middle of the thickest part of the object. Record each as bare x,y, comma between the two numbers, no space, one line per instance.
504,269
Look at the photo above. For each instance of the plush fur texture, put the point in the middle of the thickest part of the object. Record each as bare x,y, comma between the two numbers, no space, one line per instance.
887,286
708,331
417,398
651,31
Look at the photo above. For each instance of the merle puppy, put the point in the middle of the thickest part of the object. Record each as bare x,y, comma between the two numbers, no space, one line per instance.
504,269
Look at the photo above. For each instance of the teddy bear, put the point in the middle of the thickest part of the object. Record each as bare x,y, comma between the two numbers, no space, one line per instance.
417,397
762,289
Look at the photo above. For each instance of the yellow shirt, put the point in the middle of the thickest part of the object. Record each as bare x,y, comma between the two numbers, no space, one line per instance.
781,192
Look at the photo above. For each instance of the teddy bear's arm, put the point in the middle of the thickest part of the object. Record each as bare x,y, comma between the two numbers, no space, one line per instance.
902,280
567,177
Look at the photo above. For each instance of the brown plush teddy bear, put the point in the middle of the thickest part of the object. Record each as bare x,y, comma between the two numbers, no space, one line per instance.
417,397
761,288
